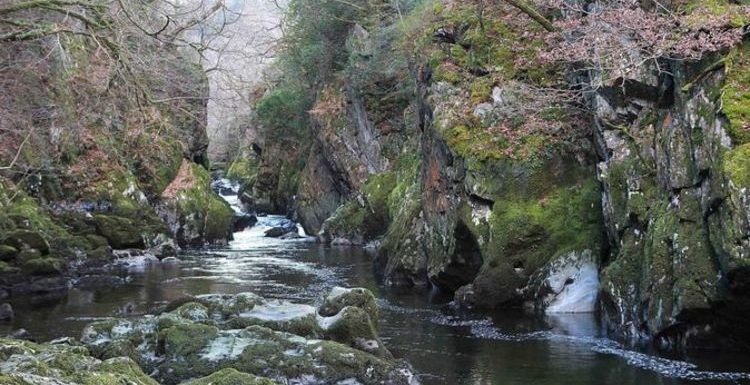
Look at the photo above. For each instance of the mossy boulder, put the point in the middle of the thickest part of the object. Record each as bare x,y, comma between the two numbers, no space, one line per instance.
340,297
230,377
120,232
194,213
27,363
202,336
43,266
21,239
7,252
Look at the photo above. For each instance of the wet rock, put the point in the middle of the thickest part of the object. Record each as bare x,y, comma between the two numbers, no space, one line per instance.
570,284
43,266
291,235
98,281
121,233
230,377
353,327
6,312
297,319
56,285
204,334
340,298
7,252
278,231
26,363
20,334
464,297
22,239
243,221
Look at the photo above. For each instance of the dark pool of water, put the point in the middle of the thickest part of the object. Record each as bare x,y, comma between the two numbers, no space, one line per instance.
446,348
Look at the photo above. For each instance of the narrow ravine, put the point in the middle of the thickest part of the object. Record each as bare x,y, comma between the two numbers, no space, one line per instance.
443,346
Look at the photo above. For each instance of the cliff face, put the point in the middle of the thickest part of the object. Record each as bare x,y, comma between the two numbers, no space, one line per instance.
463,167
674,204
92,154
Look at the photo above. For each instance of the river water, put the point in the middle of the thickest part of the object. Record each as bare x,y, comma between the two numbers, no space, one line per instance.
445,348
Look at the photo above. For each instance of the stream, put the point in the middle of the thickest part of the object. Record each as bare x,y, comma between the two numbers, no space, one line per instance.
444,347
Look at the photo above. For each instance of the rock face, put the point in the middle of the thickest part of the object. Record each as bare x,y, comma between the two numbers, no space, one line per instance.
101,161
281,341
475,182
675,208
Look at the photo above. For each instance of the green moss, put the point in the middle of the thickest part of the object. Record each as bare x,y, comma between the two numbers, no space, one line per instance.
5,268
40,266
735,98
481,89
535,230
188,339
737,165
203,213
231,377
244,170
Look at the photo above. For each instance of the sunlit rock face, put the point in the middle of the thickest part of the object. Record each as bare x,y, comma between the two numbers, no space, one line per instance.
283,341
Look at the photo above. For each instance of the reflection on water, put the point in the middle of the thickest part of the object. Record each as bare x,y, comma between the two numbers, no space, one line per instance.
447,348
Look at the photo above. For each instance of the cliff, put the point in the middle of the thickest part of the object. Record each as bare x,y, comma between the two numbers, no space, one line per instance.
439,134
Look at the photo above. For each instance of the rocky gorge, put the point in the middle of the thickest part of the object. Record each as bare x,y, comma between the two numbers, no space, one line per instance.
529,159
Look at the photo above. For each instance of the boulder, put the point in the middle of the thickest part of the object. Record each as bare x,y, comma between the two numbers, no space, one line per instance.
6,312
25,362
239,337
27,239
7,252
340,298
243,221
230,377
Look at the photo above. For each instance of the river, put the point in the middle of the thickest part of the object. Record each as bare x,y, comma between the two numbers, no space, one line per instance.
444,347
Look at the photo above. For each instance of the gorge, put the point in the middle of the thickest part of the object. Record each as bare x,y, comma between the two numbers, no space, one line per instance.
512,192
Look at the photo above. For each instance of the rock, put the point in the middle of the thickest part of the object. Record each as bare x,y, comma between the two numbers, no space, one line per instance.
27,239
285,227
230,377
205,334
291,235
6,312
464,297
164,247
7,252
20,334
340,298
571,284
61,364
341,242
282,316
97,241
243,221
353,326
98,281
44,266
121,233
57,285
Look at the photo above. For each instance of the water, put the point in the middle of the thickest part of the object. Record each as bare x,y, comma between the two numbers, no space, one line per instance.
446,348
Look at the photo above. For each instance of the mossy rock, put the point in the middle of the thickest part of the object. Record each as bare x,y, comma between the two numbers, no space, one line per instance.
6,268
735,98
42,266
230,376
121,233
340,298
7,252
96,241
27,363
737,165
21,239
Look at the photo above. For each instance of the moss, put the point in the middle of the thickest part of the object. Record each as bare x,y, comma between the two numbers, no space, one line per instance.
121,233
244,170
526,232
737,165
187,339
40,266
735,98
203,215
481,89
231,377
5,268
